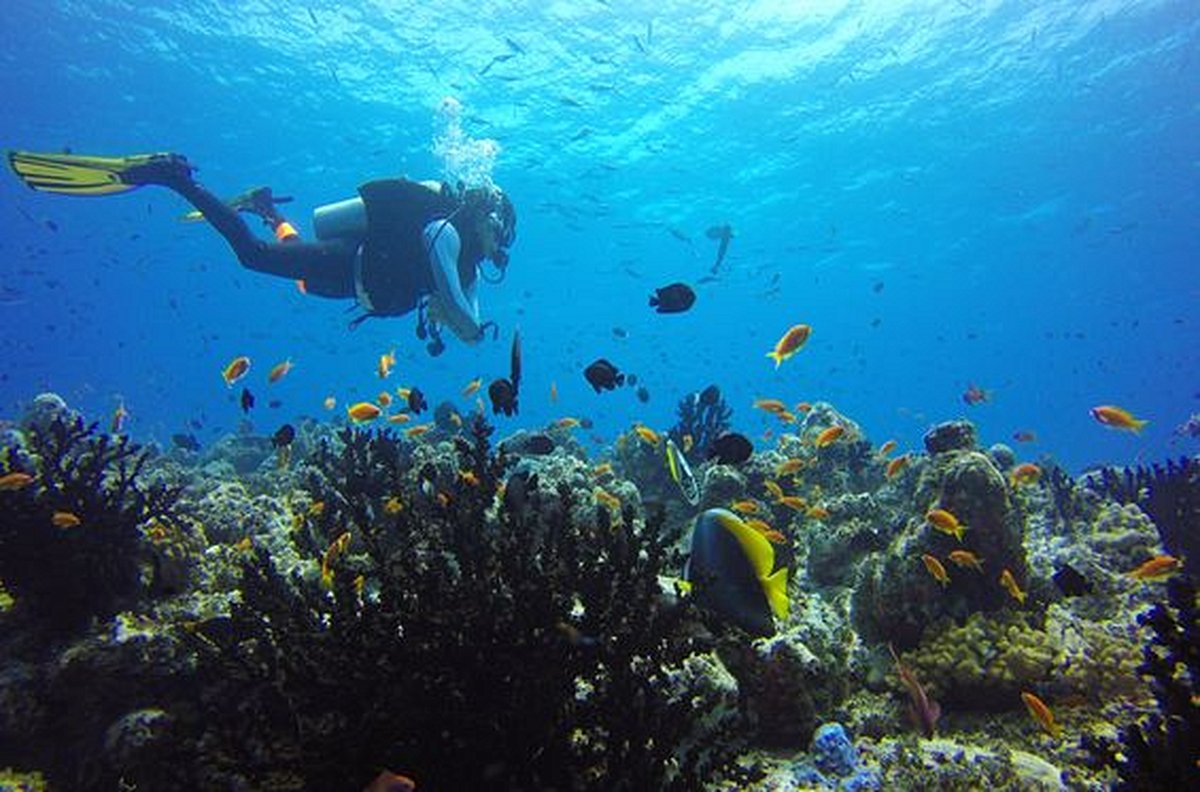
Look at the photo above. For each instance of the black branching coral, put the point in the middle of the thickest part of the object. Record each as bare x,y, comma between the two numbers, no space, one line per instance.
1163,751
1169,493
703,416
70,539
470,645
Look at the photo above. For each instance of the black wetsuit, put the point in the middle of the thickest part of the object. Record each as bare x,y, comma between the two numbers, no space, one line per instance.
395,264
327,268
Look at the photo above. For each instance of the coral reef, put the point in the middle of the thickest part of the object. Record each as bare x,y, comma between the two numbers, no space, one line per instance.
71,540
1170,495
1163,751
895,595
703,416
514,651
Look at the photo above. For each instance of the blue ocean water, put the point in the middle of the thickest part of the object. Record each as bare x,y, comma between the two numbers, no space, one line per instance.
951,193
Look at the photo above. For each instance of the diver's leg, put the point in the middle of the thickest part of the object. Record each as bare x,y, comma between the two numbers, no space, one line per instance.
326,267
330,264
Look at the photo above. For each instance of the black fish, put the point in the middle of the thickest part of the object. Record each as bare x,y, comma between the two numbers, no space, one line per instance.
283,436
514,369
723,233
503,396
187,442
247,400
710,395
1070,582
643,395
416,401
631,380
730,448
603,375
676,298
275,404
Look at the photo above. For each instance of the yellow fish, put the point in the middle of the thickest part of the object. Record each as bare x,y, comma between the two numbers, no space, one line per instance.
1042,715
936,569
646,433
472,386
607,499
790,343
363,411
1010,585
945,522
65,519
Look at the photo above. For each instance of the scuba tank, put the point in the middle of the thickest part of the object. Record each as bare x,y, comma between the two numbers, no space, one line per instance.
342,220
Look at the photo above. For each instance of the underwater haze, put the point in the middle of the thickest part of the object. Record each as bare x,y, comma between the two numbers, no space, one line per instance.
991,196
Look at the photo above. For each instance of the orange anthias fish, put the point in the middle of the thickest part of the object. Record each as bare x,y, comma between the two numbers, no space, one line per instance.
965,559
1010,585
936,569
1042,715
387,781
11,482
363,411
817,512
790,343
279,371
830,435
553,392
647,434
745,506
773,488
1157,568
236,369
975,395
773,406
795,502
472,386
566,423
65,519
1024,473
945,522
886,448
329,403
607,499
1025,436
789,466
1117,418
385,399
418,430
896,465
399,418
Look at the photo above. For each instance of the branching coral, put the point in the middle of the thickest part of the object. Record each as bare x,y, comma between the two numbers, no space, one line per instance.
63,574
523,650
1163,751
703,416
1170,495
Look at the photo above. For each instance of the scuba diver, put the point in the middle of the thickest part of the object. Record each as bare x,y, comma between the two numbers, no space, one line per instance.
399,245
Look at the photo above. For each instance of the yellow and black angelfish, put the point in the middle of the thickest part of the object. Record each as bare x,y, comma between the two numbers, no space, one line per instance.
737,573
681,473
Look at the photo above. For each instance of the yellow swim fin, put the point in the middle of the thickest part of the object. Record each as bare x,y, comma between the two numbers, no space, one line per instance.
73,174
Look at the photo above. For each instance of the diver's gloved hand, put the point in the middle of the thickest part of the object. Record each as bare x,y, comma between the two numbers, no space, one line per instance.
168,170
461,325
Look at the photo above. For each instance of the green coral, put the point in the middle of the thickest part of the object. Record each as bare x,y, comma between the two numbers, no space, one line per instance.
986,662
17,781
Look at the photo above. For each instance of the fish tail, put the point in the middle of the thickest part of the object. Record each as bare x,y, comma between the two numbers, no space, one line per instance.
778,358
1138,424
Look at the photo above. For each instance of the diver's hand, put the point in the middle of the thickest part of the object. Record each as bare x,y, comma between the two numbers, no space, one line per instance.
464,327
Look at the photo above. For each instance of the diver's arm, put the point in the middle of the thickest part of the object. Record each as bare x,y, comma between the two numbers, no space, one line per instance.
458,310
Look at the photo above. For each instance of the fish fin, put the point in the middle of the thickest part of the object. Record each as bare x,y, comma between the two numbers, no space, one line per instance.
775,587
